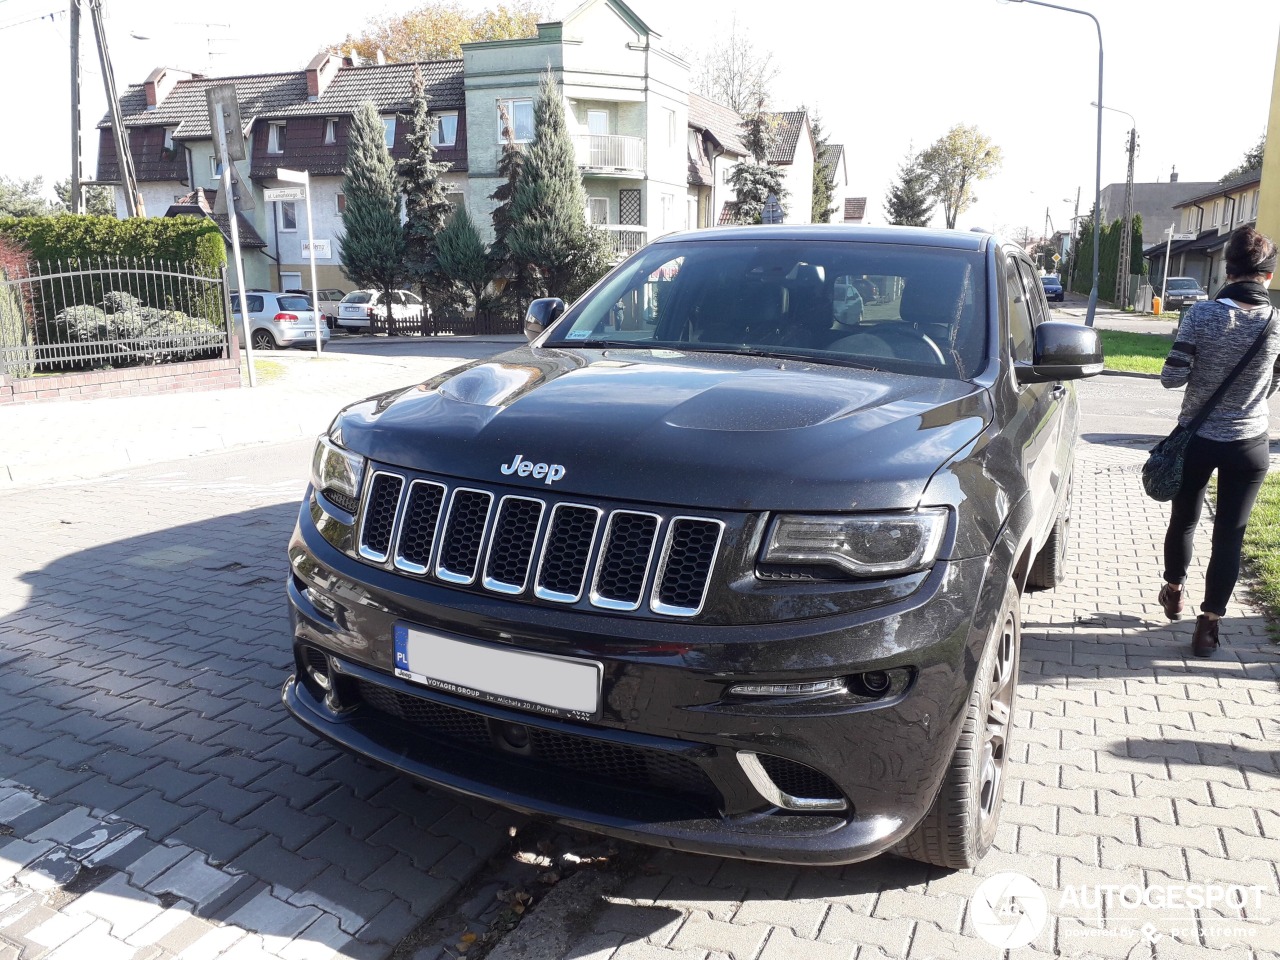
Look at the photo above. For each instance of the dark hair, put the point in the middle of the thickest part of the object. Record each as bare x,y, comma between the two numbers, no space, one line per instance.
1250,253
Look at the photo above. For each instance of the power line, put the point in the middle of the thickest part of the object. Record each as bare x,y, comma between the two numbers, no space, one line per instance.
44,16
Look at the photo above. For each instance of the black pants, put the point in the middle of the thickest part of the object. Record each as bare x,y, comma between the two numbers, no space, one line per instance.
1241,466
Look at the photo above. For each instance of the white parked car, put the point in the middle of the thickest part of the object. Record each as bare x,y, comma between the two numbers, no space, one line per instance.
277,320
329,299
356,309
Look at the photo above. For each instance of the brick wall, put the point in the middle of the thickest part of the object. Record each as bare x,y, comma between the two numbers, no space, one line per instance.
219,374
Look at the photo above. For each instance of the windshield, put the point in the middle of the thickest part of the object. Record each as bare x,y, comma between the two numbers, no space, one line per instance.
1182,283
1049,281
923,313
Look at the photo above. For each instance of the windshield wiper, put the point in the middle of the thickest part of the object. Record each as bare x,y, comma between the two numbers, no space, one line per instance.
775,354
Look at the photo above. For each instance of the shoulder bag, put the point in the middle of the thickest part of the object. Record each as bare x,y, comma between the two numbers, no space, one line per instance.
1162,473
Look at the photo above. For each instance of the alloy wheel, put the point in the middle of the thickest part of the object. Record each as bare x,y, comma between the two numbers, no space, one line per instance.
998,713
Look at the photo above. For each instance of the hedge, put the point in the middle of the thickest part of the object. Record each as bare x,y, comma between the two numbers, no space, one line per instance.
69,238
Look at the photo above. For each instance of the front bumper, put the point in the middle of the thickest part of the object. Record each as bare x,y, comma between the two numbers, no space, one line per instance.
661,764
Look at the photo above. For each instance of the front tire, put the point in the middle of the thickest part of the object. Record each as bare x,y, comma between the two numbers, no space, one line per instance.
961,825
1049,568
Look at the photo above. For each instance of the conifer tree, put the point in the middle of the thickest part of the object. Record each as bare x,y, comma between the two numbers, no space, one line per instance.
464,261
754,180
372,250
427,207
515,286
823,191
910,201
549,230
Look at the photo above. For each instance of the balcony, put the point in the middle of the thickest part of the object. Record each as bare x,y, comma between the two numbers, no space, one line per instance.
627,238
610,156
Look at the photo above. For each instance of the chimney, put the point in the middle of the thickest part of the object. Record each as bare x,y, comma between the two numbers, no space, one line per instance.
160,82
320,73
382,57
1173,175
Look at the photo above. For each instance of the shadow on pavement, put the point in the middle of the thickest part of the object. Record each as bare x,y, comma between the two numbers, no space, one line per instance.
141,687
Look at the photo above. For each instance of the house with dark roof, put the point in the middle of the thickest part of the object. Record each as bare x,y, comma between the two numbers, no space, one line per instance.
654,157
1208,217
297,120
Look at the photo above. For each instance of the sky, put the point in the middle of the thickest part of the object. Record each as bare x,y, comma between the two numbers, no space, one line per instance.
885,77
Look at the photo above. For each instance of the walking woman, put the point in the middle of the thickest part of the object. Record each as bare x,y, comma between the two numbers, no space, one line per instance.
1212,339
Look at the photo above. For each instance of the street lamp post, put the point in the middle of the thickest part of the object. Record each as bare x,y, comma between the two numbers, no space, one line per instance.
1097,189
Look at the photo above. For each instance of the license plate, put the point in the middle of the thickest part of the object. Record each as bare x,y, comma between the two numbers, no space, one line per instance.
538,682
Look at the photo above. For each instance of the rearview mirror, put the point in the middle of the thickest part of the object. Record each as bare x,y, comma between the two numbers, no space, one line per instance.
1063,351
541,314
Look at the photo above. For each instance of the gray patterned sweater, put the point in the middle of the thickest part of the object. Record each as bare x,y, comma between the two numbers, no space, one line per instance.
1210,341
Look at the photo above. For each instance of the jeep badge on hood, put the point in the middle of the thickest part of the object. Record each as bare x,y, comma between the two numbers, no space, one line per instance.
524,468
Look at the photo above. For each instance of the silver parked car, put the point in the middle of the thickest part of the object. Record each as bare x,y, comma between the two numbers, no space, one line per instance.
277,320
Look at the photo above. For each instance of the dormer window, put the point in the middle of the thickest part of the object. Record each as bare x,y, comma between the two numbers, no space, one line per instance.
389,126
331,130
168,151
446,131
275,138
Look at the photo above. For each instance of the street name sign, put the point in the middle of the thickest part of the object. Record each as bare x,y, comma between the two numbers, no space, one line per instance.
276,194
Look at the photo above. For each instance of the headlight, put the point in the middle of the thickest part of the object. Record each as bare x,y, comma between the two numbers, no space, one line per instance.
337,473
861,545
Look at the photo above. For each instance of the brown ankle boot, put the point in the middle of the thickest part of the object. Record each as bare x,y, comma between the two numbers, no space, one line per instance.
1205,640
1171,600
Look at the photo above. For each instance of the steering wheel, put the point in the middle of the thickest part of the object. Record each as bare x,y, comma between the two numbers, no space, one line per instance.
908,343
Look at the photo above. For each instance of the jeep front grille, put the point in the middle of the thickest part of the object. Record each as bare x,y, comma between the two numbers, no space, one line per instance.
562,552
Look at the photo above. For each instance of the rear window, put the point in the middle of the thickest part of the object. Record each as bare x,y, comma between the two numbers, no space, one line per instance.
786,298
295,303
360,296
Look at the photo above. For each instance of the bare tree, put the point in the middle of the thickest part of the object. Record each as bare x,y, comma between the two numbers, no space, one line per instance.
733,72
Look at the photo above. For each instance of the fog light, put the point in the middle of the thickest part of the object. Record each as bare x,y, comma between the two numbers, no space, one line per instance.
317,666
810,688
876,683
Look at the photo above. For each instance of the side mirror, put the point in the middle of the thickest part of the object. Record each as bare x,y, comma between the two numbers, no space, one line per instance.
541,314
1063,351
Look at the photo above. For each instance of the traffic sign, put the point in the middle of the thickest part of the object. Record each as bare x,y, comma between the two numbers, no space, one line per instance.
1183,236
222,100
1057,257
276,194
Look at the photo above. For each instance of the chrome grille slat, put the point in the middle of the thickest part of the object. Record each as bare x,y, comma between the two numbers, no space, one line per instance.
509,556
560,552
464,531
625,555
684,570
566,552
420,526
382,507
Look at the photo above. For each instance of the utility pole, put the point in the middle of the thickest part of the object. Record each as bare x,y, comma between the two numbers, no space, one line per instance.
1126,230
1075,227
76,197
128,179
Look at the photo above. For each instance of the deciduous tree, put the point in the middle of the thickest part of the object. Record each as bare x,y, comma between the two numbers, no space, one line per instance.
1252,160
910,203
437,31
733,72
373,247
957,160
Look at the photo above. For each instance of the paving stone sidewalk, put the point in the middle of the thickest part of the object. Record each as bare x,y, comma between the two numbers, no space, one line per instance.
1139,767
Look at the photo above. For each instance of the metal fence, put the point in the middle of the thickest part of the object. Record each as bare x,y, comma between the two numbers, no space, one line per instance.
90,313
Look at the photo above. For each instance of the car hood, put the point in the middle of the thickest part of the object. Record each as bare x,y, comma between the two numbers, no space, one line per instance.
667,427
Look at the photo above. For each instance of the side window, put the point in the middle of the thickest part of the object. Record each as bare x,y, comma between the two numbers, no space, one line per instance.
1035,293
1020,329
255,304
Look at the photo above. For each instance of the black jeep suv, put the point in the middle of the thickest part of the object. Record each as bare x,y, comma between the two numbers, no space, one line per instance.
703,566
